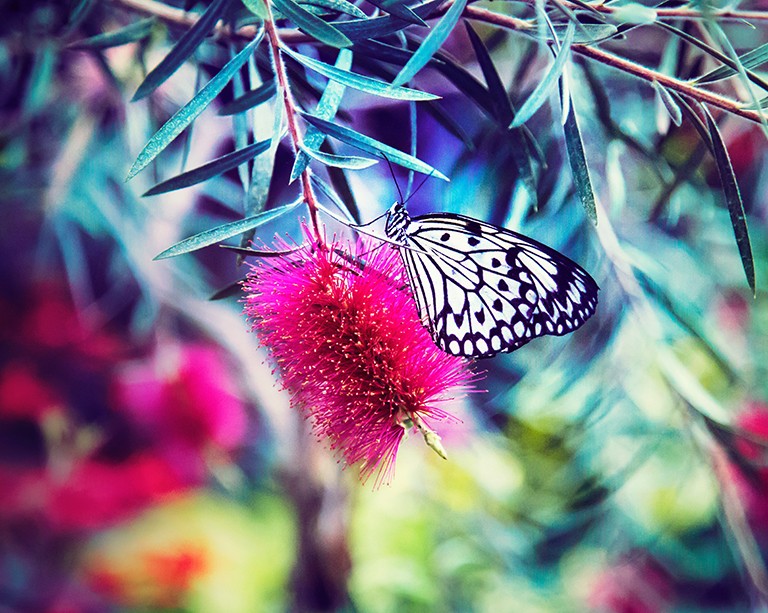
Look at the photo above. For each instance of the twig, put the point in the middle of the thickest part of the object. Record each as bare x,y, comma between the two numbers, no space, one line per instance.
180,17
628,66
290,113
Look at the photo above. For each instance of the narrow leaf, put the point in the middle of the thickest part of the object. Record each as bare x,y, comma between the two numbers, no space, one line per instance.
360,82
250,99
431,43
181,51
400,10
326,109
732,199
370,145
189,112
351,162
215,235
752,59
128,34
211,169
499,97
341,6
669,102
311,24
260,253
376,27
578,163
542,91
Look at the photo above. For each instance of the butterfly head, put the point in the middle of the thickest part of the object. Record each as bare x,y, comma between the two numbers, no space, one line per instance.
397,222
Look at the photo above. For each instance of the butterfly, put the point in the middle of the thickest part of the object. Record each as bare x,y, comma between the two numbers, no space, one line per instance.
483,289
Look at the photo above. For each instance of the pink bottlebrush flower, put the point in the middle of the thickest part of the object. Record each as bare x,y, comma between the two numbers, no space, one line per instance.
346,338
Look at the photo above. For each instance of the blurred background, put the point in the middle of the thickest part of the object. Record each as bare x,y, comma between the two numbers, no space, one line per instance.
149,459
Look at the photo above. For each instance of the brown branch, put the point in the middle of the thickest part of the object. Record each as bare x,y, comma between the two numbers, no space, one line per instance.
628,66
179,17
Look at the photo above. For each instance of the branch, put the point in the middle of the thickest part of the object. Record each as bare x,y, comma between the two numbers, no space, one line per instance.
625,65
180,17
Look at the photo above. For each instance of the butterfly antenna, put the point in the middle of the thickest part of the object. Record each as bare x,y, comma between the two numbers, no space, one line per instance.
394,178
418,187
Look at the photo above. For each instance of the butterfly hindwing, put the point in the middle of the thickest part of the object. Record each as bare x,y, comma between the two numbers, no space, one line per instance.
483,289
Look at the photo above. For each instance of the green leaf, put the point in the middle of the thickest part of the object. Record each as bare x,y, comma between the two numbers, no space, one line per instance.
504,112
370,145
399,9
128,34
541,92
709,50
578,162
341,6
181,51
311,24
250,99
215,235
669,102
732,199
257,7
499,97
376,27
211,169
586,33
326,109
189,112
350,162
431,43
360,82
753,59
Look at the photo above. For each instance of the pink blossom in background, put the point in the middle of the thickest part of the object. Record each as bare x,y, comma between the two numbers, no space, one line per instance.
348,344
24,393
635,583
186,398
753,489
90,495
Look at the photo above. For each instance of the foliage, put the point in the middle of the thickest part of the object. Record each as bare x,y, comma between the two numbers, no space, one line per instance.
145,451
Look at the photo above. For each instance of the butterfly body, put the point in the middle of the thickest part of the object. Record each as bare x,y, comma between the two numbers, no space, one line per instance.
482,289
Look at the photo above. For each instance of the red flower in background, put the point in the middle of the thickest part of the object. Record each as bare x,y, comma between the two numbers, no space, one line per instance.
634,584
346,338
753,489
186,398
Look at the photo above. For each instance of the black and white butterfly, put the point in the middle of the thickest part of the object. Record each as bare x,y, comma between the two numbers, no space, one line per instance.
482,289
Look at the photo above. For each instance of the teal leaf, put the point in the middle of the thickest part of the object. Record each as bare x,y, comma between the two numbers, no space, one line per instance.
753,59
211,169
431,43
311,24
502,107
376,27
250,99
181,51
189,112
350,162
360,82
129,34
326,109
397,8
342,6
732,199
370,145
578,162
215,235
260,253
669,102
542,91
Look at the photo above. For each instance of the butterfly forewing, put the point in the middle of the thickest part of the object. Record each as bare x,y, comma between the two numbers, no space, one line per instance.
483,289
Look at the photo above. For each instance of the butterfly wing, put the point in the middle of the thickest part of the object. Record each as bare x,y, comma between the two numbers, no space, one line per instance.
484,290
